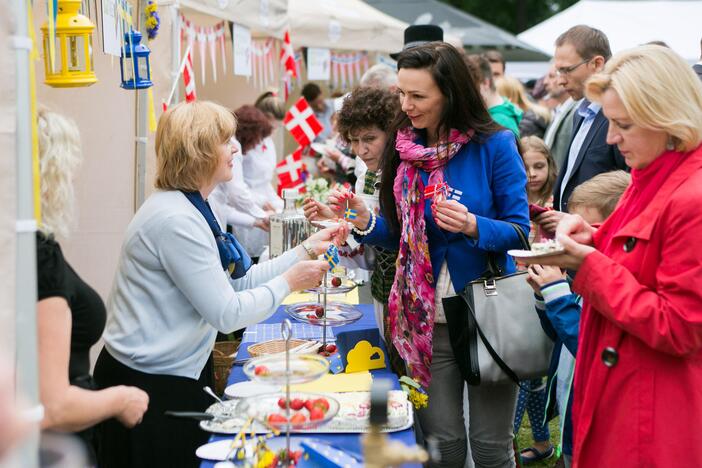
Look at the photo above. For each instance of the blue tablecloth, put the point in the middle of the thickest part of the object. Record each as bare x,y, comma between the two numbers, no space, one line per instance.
343,441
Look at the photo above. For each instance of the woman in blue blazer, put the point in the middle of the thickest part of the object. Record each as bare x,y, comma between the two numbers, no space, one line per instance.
453,181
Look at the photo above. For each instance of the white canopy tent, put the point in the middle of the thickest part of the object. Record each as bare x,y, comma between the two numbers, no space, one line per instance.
344,24
628,23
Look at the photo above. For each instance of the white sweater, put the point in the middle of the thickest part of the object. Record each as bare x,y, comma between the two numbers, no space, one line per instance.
170,294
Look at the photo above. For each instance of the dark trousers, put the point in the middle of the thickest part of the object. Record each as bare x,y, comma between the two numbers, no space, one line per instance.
158,441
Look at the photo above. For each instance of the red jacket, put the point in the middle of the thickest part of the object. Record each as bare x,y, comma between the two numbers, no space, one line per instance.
643,314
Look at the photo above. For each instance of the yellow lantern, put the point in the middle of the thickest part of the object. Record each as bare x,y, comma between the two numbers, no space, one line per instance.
74,48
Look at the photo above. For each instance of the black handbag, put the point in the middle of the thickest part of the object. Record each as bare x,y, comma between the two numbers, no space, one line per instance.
494,329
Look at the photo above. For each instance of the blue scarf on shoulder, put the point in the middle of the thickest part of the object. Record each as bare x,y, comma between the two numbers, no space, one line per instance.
232,255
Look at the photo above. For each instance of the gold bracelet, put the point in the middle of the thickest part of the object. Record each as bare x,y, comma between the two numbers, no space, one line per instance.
308,249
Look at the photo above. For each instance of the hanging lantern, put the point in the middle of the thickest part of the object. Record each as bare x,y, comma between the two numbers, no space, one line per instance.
74,48
134,62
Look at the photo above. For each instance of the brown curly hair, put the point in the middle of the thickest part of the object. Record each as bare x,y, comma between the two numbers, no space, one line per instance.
252,126
367,107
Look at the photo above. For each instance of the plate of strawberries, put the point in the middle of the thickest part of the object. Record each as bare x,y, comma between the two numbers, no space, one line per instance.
301,411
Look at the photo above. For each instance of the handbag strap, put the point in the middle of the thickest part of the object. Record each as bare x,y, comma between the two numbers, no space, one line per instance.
475,368
493,267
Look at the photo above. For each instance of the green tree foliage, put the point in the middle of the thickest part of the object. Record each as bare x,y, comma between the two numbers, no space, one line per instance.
514,16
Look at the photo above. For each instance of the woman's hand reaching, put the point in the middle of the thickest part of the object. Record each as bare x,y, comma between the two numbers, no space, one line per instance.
340,200
317,211
305,275
319,242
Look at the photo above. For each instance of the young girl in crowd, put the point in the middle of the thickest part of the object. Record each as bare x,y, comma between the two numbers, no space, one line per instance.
541,173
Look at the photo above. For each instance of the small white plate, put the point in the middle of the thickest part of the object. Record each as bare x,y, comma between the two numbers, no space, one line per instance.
531,254
218,450
248,389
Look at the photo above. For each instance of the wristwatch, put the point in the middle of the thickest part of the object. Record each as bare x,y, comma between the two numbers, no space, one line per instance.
308,249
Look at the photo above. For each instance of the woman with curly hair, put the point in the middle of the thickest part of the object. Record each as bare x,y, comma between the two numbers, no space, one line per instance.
363,123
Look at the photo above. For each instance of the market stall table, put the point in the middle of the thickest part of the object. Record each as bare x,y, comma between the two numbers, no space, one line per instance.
349,442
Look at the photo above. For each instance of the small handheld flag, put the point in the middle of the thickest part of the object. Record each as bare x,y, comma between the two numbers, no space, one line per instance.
436,190
332,256
350,214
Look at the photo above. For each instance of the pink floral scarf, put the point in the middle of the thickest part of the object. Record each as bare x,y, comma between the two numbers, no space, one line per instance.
411,301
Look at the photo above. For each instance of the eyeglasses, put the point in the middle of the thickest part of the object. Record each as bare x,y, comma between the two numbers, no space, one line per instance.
568,70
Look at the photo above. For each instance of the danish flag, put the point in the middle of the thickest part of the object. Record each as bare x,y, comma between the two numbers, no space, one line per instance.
189,79
290,172
302,123
287,56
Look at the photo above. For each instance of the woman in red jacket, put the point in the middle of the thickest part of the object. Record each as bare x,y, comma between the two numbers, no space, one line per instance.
637,400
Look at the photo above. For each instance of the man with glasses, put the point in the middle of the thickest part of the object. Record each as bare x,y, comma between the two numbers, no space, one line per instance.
580,53
560,130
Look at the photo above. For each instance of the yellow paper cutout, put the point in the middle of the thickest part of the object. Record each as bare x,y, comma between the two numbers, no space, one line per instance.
337,383
350,297
152,112
363,357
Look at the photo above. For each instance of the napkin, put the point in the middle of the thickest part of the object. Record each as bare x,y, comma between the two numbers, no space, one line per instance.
337,383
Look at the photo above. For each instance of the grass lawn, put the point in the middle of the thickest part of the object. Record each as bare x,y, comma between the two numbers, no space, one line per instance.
525,440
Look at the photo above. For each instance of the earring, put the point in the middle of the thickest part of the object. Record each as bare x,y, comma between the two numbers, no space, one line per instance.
670,146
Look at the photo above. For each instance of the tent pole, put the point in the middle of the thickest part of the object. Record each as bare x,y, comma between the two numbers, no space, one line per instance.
26,226
141,112
175,49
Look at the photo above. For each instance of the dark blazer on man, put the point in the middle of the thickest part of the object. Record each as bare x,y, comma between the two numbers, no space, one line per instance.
698,69
595,157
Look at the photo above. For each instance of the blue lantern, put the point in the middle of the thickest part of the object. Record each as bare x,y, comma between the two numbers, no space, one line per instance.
134,62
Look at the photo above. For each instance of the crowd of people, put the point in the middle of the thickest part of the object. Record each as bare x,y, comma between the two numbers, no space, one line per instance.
606,160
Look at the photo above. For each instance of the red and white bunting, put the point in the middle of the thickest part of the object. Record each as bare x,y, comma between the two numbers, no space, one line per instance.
208,38
189,79
201,42
211,43
347,69
302,123
219,32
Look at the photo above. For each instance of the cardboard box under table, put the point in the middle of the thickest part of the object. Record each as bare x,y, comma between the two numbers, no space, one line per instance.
351,442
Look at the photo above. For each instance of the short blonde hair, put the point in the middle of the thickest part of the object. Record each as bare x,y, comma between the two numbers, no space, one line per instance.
186,144
659,91
59,157
602,192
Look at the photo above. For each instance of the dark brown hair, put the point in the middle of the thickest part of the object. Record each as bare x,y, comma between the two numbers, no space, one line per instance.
252,127
494,56
480,70
588,42
367,107
310,91
463,110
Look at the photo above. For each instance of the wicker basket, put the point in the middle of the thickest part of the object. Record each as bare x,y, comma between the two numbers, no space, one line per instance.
274,346
223,356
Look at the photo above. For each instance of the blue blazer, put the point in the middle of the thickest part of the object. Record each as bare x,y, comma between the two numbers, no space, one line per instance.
491,175
595,157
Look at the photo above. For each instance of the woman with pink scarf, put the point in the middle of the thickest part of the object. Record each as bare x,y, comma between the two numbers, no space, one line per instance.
453,181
